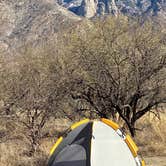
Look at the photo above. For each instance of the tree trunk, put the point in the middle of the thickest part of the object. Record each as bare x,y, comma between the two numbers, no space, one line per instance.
132,128
33,149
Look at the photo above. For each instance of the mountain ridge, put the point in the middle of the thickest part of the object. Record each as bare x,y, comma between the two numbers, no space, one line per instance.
29,21
91,8
35,22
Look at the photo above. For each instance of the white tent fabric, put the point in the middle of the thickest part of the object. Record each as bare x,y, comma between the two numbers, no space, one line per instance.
108,147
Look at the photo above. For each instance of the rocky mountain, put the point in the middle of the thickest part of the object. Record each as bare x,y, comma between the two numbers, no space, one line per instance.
90,8
31,21
34,21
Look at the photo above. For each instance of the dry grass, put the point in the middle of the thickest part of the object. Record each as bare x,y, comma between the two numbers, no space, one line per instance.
13,152
152,142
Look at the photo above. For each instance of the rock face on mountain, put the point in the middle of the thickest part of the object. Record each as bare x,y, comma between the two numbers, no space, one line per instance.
90,8
31,21
34,21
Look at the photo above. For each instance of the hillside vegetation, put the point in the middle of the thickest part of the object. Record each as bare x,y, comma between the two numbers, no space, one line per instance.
27,22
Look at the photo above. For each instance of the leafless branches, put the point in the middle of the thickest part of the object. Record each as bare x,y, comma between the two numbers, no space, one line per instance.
124,69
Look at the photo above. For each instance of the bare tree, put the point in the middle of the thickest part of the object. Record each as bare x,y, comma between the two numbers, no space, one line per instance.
33,91
124,69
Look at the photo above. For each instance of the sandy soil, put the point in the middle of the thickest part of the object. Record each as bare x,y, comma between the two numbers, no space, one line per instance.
156,161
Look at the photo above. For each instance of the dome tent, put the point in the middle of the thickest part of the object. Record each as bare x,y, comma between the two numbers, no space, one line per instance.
94,143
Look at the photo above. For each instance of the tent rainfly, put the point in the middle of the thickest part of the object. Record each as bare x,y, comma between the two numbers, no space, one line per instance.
95,143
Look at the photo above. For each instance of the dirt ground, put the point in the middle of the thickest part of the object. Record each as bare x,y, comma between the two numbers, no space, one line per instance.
156,161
